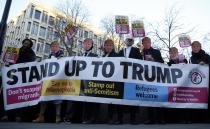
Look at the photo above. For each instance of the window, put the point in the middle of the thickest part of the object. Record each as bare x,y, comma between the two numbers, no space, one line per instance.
12,34
42,31
27,36
29,26
49,33
95,38
41,40
80,33
34,43
79,46
86,34
24,13
63,23
45,57
37,14
40,45
35,28
91,35
31,12
51,20
44,17
56,36
23,23
100,41
18,30
75,43
47,48
94,48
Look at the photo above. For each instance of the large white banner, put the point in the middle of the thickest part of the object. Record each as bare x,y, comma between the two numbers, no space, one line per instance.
116,80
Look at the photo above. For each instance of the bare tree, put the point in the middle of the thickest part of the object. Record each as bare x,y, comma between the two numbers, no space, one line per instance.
205,42
166,33
108,25
207,37
74,13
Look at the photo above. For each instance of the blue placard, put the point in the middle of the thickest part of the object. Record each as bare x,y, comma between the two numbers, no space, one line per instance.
135,91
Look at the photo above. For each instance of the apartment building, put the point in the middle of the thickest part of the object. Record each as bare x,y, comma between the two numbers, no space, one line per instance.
37,23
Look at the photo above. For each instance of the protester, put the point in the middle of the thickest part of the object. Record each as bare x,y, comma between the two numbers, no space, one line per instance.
26,54
180,115
90,109
175,58
55,53
155,115
131,52
149,53
109,51
199,56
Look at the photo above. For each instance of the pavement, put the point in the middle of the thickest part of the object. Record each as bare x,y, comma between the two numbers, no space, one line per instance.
13,125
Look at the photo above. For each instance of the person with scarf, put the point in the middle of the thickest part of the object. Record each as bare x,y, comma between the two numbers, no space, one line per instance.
179,114
155,114
55,53
199,56
175,57
90,109
131,52
109,51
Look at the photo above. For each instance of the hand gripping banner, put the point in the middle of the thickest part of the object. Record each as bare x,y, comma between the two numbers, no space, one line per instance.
115,80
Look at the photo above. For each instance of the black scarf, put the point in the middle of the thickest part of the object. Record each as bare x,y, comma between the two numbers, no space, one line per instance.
199,55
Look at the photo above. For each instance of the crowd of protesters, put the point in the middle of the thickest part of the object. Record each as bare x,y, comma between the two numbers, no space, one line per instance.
89,112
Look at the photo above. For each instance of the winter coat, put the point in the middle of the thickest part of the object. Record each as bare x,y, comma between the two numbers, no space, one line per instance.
26,55
201,56
58,54
134,53
156,55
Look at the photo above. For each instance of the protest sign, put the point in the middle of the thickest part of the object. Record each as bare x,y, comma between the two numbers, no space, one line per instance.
115,80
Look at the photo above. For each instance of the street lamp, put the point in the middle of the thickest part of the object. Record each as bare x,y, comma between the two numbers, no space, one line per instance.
3,23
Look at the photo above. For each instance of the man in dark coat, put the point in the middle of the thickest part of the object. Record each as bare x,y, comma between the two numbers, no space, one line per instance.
150,54
131,52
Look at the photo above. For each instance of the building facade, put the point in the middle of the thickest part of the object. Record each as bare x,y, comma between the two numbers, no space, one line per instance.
38,24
